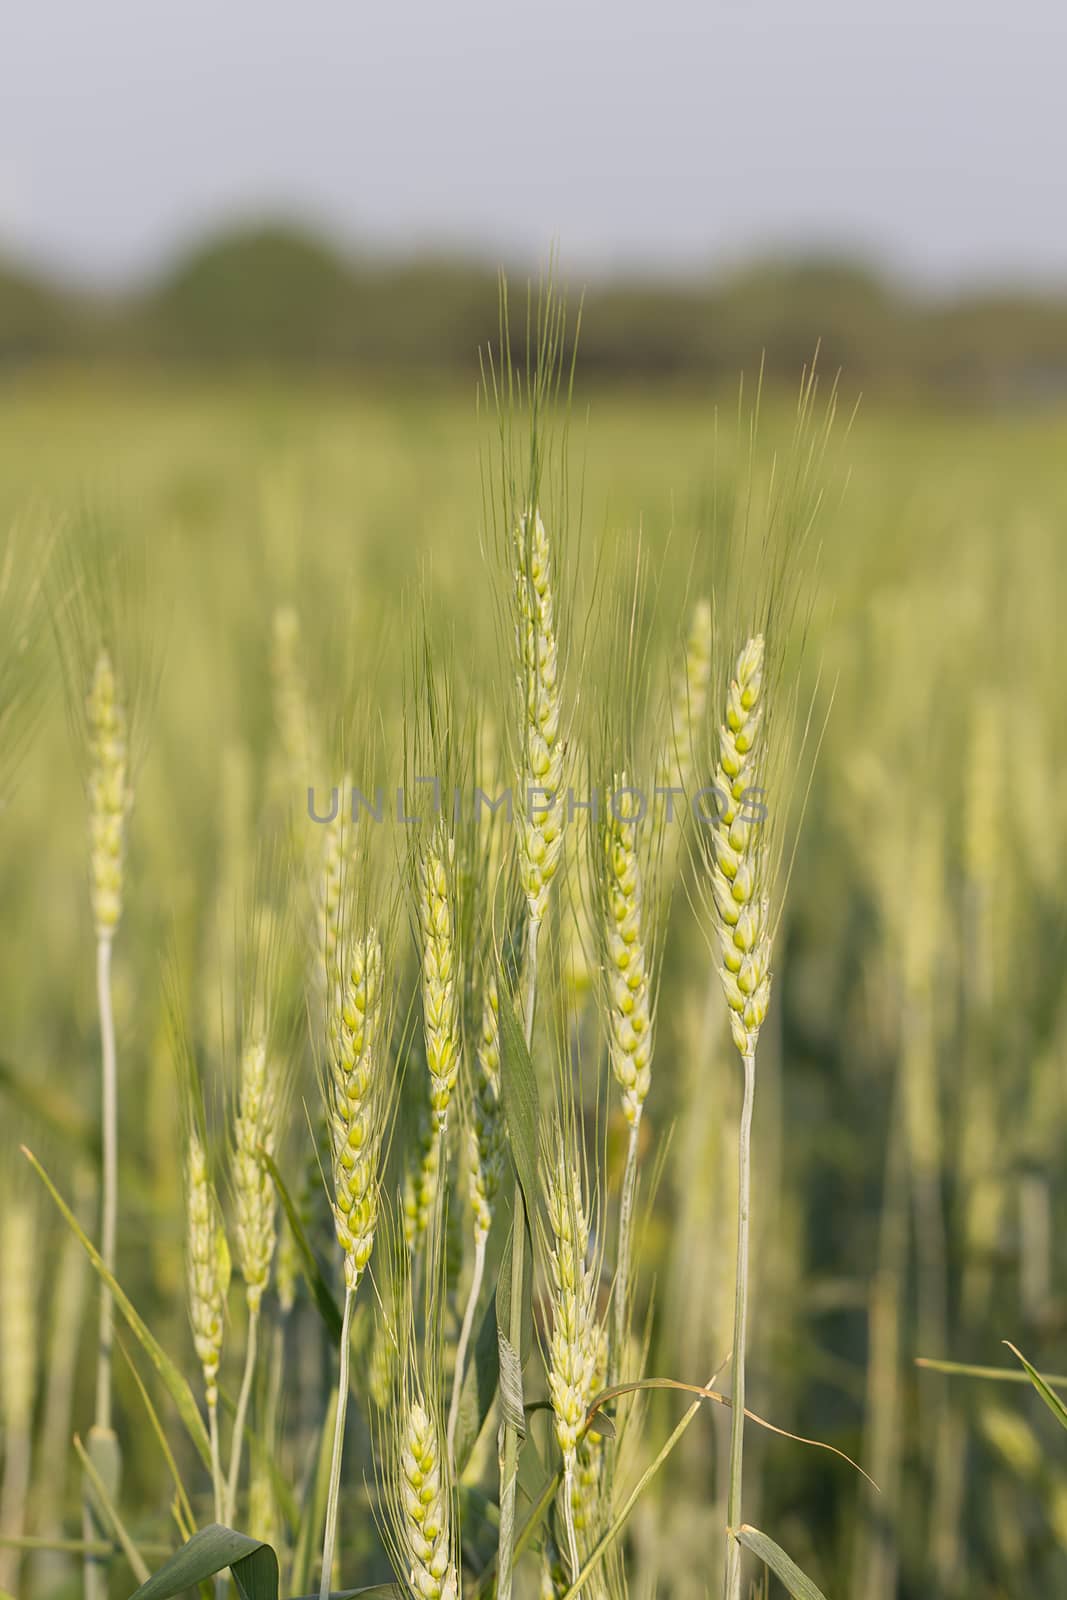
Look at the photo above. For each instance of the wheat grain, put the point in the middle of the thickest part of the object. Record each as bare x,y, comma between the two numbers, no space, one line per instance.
575,1340
737,878
626,964
356,1105
207,1263
426,1521
541,808
485,1136
255,1135
110,796
440,982
421,1181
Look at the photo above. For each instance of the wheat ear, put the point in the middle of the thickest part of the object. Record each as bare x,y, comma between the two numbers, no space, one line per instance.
575,1338
255,1135
425,1511
540,832
539,847
208,1282
485,1160
356,1114
743,919
630,1019
440,1007
110,799
109,806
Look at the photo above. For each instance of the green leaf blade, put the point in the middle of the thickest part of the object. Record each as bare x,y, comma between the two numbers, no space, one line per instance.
772,1555
176,1385
518,1094
253,1564
1051,1399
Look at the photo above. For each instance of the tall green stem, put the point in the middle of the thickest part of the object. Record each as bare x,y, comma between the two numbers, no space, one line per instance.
102,1436
241,1415
732,1585
568,1516
622,1271
330,1536
109,1201
509,1452
217,1485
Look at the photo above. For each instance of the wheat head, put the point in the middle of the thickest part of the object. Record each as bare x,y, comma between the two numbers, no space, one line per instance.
741,903
541,804
207,1263
355,1105
426,1512
110,796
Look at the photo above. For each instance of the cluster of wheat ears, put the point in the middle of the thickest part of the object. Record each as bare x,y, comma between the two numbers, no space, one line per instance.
477,995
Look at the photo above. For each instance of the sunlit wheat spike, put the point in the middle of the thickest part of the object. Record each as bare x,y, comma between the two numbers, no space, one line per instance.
421,1182
541,803
629,1009
207,1262
575,1338
586,1505
426,1512
738,888
109,793
485,1138
440,981
255,1135
355,1104
690,689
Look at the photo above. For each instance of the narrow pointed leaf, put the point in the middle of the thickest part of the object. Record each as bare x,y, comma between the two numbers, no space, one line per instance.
503,1294
1052,1400
964,1369
518,1094
784,1567
106,1508
176,1385
479,1389
184,1508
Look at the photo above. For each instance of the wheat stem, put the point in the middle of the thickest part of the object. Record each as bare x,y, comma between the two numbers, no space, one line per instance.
465,1338
110,1194
509,1455
568,1516
622,1273
330,1534
241,1415
96,1569
216,1462
732,1588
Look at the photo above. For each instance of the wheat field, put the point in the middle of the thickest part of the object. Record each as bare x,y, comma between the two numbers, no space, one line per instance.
406,1142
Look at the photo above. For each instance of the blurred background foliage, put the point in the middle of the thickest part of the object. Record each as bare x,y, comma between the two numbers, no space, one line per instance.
273,294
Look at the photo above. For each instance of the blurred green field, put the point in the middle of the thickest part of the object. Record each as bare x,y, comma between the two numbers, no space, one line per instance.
912,1107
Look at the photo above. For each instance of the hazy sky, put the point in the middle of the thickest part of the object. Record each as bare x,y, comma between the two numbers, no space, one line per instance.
670,132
